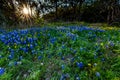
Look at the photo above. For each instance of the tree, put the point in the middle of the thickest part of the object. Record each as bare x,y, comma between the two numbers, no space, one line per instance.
112,7
113,11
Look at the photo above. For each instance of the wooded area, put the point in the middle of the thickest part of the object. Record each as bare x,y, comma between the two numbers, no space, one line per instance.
61,10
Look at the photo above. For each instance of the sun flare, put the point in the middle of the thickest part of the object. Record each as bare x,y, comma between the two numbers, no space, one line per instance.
26,11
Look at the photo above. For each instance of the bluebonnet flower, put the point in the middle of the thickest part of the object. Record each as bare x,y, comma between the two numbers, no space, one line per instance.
111,43
0,56
10,56
103,59
63,46
31,46
95,64
2,71
11,63
72,36
24,42
72,60
53,40
77,77
17,42
24,49
35,44
6,42
94,36
60,53
49,34
2,37
81,49
71,49
30,40
100,53
100,30
95,56
39,57
97,74
63,42
34,39
38,34
62,77
63,67
11,50
63,58
15,63
49,56
33,52
67,75
106,46
80,65
75,51
19,62
20,58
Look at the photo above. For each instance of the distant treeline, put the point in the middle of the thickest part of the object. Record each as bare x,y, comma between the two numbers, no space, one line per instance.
63,10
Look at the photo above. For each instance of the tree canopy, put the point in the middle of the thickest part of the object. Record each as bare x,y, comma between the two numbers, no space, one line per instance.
65,10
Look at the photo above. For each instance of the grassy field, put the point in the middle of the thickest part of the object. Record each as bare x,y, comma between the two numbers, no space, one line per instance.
63,52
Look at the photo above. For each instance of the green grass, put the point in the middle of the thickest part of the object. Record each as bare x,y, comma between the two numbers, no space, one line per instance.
98,50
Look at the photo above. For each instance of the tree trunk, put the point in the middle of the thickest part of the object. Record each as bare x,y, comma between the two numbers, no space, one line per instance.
56,9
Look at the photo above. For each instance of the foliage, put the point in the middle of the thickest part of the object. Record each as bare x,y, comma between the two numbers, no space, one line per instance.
63,10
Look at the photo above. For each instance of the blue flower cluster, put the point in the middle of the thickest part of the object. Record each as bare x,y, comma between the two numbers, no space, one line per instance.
74,49
2,70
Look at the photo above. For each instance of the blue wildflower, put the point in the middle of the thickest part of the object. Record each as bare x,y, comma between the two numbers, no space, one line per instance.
95,56
25,49
71,49
35,44
10,57
77,78
49,56
20,58
60,54
30,40
62,77
53,40
34,39
80,65
15,63
24,42
72,60
48,34
63,46
39,57
95,64
81,49
112,44
103,59
97,74
71,35
63,67
31,46
2,70
0,56
63,58
11,64
75,51
33,51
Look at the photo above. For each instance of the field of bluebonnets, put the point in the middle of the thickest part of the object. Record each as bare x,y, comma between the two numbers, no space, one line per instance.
60,53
